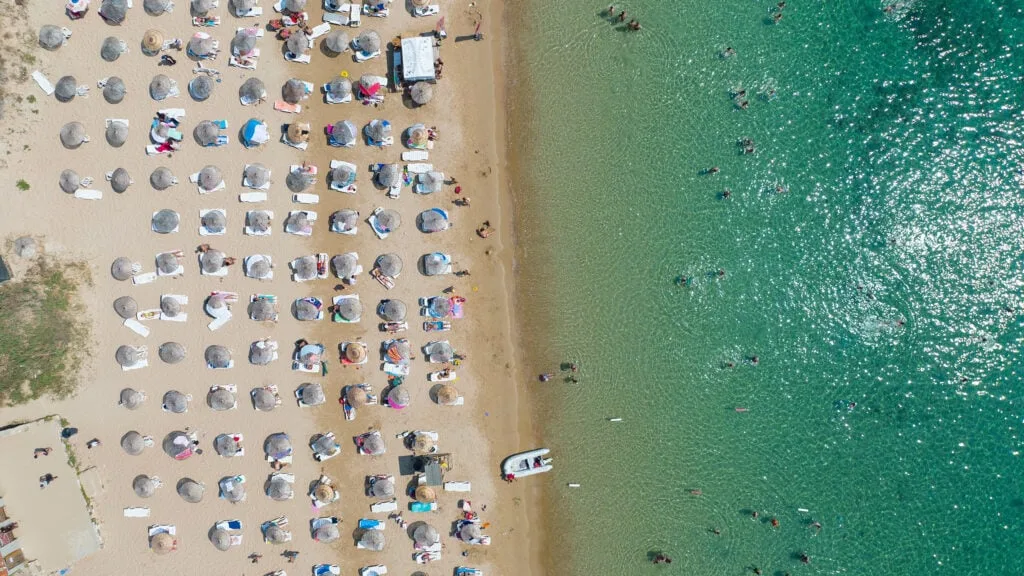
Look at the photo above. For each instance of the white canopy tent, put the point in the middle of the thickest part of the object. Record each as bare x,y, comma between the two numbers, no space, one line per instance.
418,59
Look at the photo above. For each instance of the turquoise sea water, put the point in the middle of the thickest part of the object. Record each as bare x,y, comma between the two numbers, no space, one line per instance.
872,250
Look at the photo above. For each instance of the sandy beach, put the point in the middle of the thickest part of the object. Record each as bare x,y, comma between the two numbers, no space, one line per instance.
467,110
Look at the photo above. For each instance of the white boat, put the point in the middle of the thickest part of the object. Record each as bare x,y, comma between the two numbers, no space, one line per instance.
526,464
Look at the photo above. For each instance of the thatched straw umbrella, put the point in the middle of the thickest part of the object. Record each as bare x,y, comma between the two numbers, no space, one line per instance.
344,220
133,443
126,307
392,310
51,37
258,176
297,44
383,488
312,394
327,533
262,310
388,220
252,91
170,307
152,42
70,181
435,263
399,352
389,176
156,7
344,265
121,268
368,42
274,534
470,532
66,89
175,402
241,7
423,443
297,132
355,352
117,133
165,221
390,264
258,267
426,494
220,539
343,133
335,42
231,490
176,443
217,356
201,88
131,398
342,176
418,136
190,490
294,6
339,88
421,92
120,180
114,11
298,223
430,182
162,543
349,309
447,395
324,445
261,352
201,7
279,489
72,135
214,221
167,263
172,352
298,181
372,540
378,130
115,90
144,486
305,311
221,399
263,400
398,397
127,356
210,178
206,133
243,43
111,49
356,396
425,534
277,446
374,445
324,492
160,87
162,178
433,220
200,46
225,445
293,91
440,352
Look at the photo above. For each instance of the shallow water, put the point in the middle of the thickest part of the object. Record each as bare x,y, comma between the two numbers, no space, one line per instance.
871,248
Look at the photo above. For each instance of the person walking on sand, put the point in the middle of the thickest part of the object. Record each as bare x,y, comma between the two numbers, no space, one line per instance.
255,557
45,480
44,451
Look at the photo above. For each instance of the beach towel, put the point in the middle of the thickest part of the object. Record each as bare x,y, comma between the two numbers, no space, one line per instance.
282,106
363,56
203,21
253,197
248,62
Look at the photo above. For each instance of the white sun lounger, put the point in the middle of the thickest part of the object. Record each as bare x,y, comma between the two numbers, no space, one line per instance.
43,82
298,145
415,156
252,197
137,327
83,194
432,10
254,12
389,506
419,168
158,528
259,31
144,278
137,512
319,30
306,198
336,19
202,229
396,369
250,61
218,322
299,58
375,569
341,8
140,364
360,57
456,486
395,191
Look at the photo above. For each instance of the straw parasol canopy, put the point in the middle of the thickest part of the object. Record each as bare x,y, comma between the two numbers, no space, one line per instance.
243,6
202,7
297,44
220,539
279,489
131,398
133,443
258,175
447,395
418,135
51,37
324,445
356,396
176,443
166,221
293,91
259,267
298,132
190,490
312,394
435,263
206,133
426,494
120,180
323,492
66,89
388,220
70,181
160,87
339,88
167,263
162,178
350,309
172,352
214,221
422,443
298,222
175,402
470,532
114,11
212,261
156,7
144,486
262,310
162,543
200,45
399,352
392,310
344,133
374,445
421,93
355,352
430,182
217,356
152,41
115,90
232,490
345,219
420,3
372,540
327,533
297,181
274,534
425,534
305,267
201,88
261,353
383,488
263,400
117,133
390,264
127,355
335,42
111,49
389,176
378,130
368,42
343,175
225,445
294,6
441,352
277,445
72,135
344,265
252,90
221,399
170,307
121,268
306,310
210,177
243,43
433,220
398,397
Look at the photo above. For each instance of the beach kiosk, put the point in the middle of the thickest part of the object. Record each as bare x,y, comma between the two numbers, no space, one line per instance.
415,60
